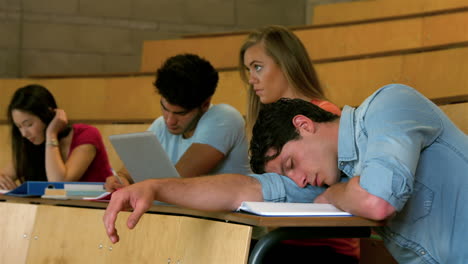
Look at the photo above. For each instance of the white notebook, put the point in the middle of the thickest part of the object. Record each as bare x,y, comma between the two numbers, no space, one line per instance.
291,209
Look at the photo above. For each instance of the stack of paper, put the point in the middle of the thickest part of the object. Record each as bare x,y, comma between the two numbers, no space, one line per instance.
291,209
74,191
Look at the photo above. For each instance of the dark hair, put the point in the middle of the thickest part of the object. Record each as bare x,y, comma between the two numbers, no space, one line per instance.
274,128
186,80
29,159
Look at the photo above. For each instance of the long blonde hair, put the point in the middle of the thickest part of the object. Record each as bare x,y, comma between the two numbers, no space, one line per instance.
288,52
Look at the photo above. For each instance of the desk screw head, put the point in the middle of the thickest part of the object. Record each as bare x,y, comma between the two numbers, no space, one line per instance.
100,246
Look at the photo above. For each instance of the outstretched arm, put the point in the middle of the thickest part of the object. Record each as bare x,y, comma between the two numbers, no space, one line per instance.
213,193
351,197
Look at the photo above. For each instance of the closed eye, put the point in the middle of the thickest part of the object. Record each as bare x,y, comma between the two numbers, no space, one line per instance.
288,167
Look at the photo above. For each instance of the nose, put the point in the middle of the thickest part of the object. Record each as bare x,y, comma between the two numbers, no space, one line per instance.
252,79
24,132
171,119
299,179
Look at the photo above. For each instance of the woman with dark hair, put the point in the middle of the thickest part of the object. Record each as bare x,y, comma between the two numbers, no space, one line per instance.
45,147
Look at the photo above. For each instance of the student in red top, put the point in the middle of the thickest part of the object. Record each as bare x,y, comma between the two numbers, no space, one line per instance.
275,64
46,148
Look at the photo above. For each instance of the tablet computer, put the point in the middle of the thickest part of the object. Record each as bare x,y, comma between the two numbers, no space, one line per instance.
143,156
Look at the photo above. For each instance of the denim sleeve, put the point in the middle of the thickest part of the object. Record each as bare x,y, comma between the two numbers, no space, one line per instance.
278,188
399,123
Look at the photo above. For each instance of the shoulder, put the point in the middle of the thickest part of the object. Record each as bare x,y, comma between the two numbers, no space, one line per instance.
84,128
223,117
224,111
395,94
397,98
158,125
83,133
398,107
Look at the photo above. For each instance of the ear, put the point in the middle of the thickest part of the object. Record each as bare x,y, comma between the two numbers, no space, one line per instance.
303,123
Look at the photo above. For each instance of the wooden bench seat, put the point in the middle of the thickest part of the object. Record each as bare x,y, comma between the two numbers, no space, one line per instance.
115,99
358,11
458,113
325,44
439,75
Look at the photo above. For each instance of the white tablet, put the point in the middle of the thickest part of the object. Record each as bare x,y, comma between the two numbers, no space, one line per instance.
143,156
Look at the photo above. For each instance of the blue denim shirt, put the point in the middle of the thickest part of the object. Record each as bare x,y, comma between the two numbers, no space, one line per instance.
410,154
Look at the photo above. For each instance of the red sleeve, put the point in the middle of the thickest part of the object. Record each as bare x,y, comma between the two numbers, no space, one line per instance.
87,135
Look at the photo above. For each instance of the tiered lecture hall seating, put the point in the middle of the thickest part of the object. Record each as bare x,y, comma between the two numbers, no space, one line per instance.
356,47
113,104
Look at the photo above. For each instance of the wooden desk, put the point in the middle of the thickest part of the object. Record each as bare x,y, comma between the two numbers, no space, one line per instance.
288,227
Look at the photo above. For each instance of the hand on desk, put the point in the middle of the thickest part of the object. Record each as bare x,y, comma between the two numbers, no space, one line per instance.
6,182
138,197
112,183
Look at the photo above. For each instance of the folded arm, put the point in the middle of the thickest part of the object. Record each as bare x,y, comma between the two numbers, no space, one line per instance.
351,197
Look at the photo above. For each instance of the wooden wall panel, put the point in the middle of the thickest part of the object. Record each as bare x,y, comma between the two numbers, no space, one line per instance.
156,239
103,99
458,113
117,99
5,147
221,51
17,222
438,75
349,12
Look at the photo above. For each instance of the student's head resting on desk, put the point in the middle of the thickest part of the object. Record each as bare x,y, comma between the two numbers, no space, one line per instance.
186,84
275,64
302,147
32,108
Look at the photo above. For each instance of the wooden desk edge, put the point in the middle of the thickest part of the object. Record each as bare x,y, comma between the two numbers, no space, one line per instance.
234,217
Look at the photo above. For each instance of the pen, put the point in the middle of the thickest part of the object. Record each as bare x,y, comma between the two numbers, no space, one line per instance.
116,176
